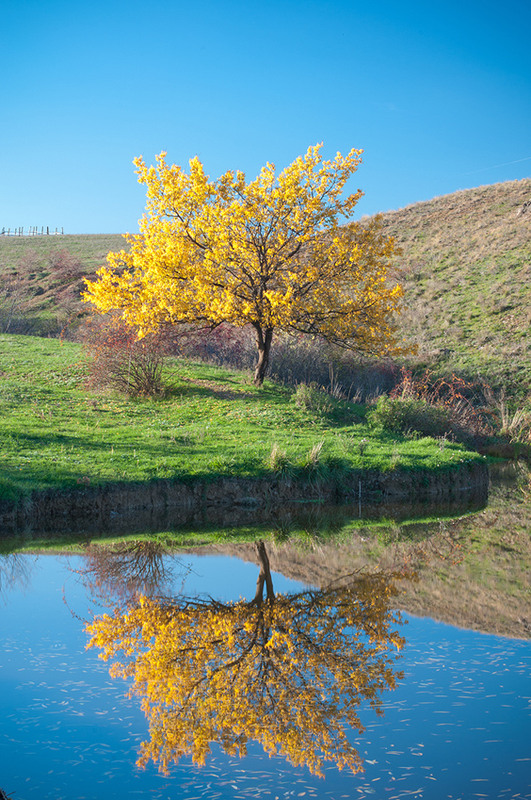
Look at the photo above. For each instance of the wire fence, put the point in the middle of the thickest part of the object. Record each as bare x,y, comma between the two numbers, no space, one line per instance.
33,231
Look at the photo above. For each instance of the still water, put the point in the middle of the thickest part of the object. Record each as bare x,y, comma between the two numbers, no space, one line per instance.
456,719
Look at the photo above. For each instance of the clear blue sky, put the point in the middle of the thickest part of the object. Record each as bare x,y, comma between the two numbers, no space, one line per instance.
438,94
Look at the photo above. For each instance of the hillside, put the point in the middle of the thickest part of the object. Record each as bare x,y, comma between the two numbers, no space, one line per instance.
41,278
466,270
465,265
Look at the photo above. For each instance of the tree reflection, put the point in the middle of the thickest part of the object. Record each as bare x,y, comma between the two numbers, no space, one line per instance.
287,671
124,570
15,570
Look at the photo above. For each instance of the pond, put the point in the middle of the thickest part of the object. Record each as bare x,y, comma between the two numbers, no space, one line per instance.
290,643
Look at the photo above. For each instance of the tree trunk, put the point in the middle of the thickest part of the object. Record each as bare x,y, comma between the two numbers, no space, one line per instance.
263,342
264,576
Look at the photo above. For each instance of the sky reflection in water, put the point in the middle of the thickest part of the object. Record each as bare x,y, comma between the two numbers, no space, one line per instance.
457,726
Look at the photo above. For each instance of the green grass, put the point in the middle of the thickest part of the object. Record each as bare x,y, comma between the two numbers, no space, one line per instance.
55,434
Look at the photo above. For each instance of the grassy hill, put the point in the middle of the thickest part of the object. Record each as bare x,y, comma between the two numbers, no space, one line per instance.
465,265
41,278
467,277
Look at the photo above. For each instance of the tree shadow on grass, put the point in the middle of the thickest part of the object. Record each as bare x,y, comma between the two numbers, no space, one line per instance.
229,389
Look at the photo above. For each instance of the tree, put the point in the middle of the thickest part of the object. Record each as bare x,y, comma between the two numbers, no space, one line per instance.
287,671
270,253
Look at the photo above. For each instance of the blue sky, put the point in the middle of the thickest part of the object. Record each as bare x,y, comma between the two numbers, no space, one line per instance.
437,94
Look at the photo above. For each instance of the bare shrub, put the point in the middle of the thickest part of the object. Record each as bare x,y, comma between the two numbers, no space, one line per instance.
224,345
29,261
341,372
122,571
119,360
14,301
441,406
66,266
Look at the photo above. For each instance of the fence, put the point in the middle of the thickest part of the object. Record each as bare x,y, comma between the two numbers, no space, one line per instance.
32,231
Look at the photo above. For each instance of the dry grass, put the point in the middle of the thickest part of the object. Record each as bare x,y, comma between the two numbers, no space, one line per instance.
466,268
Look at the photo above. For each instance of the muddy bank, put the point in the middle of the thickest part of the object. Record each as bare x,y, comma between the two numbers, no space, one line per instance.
238,501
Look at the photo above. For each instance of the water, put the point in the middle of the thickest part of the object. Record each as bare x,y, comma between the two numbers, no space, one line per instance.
458,724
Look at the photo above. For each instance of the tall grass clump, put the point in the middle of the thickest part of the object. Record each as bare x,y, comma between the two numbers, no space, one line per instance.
313,457
278,460
310,397
515,424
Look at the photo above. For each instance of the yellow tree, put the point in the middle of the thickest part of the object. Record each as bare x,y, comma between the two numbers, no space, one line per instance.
286,671
273,253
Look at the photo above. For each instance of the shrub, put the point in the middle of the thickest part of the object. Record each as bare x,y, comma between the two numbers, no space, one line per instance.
13,305
224,345
310,397
65,265
465,405
399,415
297,359
119,360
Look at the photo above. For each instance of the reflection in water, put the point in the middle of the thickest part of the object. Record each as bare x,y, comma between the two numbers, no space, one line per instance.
128,569
457,726
286,670
15,571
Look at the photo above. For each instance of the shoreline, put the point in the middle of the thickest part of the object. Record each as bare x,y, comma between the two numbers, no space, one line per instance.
115,505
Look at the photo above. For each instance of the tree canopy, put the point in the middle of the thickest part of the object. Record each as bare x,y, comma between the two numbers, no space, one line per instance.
273,253
286,671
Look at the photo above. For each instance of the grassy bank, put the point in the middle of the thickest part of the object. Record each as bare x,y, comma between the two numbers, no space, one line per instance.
56,434
470,570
